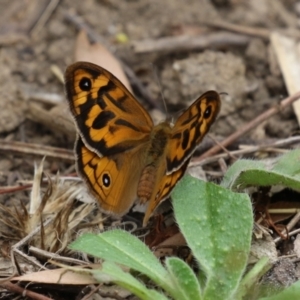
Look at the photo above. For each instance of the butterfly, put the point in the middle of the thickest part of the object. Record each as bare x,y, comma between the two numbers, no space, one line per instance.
121,155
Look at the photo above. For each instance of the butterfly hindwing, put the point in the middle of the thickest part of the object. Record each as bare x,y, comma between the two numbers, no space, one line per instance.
112,180
163,190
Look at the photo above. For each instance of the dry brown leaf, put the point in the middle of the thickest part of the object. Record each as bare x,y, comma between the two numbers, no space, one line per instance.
99,55
287,51
283,210
175,240
57,276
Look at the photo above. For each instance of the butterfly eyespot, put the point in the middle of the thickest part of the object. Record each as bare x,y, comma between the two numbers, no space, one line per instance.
85,84
207,112
106,180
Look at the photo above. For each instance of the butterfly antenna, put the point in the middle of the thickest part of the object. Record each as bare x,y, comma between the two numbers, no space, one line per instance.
224,93
160,89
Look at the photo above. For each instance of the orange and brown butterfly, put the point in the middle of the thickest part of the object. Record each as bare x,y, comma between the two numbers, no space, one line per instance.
120,154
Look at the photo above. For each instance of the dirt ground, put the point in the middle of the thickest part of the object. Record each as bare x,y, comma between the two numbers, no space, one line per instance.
39,39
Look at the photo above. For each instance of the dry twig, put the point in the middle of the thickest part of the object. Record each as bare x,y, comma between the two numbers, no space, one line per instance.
241,29
10,147
289,226
44,17
188,43
247,150
23,291
258,32
50,255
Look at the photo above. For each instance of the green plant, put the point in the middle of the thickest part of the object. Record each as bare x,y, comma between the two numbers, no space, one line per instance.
217,225
285,171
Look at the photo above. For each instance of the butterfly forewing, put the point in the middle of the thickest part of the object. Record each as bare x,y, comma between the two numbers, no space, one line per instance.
190,128
108,118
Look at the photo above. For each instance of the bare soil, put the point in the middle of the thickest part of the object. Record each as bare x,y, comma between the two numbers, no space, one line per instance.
245,71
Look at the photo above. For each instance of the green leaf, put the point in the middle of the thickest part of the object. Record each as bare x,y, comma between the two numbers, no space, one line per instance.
249,281
231,177
121,247
184,279
217,225
110,272
289,164
285,172
290,293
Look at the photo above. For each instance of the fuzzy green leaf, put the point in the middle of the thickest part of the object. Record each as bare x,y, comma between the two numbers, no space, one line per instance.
110,272
290,293
184,279
217,225
121,247
284,172
251,279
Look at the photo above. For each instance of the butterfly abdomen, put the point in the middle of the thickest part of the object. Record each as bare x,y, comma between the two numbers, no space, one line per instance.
146,183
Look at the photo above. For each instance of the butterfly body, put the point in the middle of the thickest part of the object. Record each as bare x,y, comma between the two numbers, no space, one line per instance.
121,155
